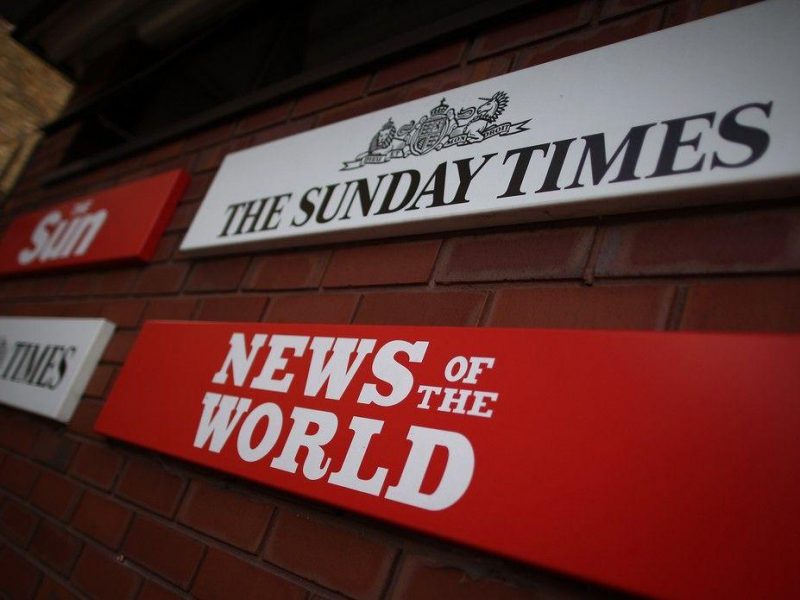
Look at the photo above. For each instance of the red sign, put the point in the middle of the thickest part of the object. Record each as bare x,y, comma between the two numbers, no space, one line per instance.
120,224
664,464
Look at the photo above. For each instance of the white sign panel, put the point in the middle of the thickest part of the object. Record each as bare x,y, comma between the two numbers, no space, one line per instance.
692,114
45,363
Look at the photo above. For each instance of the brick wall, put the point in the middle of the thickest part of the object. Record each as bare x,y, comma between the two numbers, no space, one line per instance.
84,516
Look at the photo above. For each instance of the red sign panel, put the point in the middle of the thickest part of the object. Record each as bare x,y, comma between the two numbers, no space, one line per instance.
120,224
661,463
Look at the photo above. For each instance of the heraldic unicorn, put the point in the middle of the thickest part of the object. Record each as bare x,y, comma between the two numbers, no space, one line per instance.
444,127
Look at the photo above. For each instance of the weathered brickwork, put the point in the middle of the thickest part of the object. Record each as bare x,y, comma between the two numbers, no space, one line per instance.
83,516
32,93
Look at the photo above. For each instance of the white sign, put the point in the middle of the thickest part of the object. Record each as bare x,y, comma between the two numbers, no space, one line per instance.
693,114
45,363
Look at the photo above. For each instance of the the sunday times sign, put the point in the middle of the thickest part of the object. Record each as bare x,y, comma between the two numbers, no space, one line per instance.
45,363
661,463
693,114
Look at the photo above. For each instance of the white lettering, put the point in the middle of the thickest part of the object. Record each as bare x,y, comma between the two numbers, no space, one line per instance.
216,423
455,478
316,463
386,368
337,372
239,359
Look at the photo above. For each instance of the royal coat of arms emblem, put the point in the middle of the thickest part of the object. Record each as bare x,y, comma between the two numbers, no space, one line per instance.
442,128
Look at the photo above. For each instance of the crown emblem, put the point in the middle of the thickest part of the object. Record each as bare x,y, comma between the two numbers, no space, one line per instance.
440,110
442,128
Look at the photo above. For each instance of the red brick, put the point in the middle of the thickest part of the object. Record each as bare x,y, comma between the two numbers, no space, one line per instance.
147,484
83,418
124,313
426,579
540,26
226,515
100,576
34,287
231,308
55,495
286,271
609,33
18,433
382,264
312,308
98,384
17,475
679,12
331,95
106,283
423,64
102,519
121,343
153,591
210,158
17,522
55,547
217,275
79,309
615,8
50,589
362,106
540,254
341,559
224,576
184,214
436,84
198,187
264,118
241,143
709,8
18,577
490,67
170,309
162,153
164,550
754,305
209,137
167,246
277,132
421,308
740,242
162,279
96,465
54,449
598,307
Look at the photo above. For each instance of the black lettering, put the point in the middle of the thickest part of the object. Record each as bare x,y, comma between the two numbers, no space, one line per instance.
306,206
23,361
252,214
595,150
232,209
321,218
63,365
19,349
466,176
46,364
673,141
752,137
278,204
521,168
394,182
556,164
364,197
438,178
